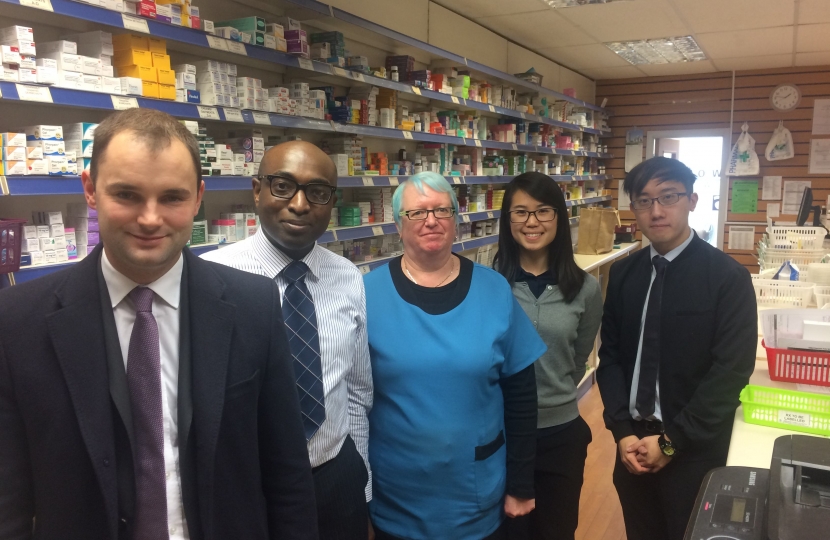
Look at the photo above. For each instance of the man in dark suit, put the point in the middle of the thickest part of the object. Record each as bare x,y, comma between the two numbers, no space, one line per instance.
146,394
679,334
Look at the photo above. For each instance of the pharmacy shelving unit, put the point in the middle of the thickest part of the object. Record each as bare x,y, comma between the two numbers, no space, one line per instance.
75,16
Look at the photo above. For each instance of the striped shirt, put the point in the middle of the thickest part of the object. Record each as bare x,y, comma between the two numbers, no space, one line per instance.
336,287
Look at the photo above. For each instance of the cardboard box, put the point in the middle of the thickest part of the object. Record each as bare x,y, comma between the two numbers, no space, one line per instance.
95,49
185,68
131,86
16,32
167,91
146,74
160,60
37,166
157,45
14,168
82,131
69,79
23,47
13,139
246,24
68,47
47,75
132,57
166,76
9,55
122,42
43,133
150,89
63,61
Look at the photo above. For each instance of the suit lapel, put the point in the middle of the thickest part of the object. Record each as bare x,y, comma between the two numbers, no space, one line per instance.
76,331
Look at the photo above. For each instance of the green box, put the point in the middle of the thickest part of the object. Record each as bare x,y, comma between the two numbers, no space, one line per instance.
199,234
245,24
258,38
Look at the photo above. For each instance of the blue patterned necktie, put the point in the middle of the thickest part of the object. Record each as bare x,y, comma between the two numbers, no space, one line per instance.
304,343
144,383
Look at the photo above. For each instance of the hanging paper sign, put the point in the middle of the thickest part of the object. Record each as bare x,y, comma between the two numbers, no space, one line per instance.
136,24
208,113
233,115
121,103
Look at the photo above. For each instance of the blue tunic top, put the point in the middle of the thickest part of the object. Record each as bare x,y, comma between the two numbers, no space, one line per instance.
437,398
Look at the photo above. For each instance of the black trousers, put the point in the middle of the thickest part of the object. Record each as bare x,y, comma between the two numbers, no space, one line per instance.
339,485
499,534
658,506
560,464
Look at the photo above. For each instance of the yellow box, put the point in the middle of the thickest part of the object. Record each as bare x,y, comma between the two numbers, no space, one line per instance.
167,91
157,45
144,73
132,57
161,61
179,2
150,89
130,41
166,76
186,21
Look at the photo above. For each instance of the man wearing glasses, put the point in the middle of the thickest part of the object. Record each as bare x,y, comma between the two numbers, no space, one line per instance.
324,306
679,334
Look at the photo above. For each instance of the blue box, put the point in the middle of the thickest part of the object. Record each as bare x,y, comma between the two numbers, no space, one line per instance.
193,96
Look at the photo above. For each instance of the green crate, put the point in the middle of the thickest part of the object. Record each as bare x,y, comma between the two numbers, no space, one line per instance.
786,409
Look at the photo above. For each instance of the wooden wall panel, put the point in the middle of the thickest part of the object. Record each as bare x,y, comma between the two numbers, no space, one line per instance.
705,101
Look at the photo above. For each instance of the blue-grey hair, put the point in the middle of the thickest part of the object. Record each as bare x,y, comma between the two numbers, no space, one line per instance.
435,181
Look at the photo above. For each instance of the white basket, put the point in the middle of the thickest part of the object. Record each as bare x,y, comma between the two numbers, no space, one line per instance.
800,257
797,237
822,293
771,292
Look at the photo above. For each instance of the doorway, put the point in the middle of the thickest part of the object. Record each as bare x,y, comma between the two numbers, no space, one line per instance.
704,152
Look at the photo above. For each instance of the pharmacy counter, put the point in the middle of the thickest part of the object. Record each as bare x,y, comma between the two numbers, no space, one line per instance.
751,444
589,263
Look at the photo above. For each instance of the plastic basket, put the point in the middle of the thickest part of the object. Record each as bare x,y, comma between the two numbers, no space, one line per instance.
11,240
776,292
790,365
797,237
800,257
786,409
822,293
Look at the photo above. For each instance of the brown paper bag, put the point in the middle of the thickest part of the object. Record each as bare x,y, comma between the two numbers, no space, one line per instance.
596,230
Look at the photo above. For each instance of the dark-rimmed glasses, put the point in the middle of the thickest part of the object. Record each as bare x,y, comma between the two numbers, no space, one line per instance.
665,200
441,212
285,188
541,215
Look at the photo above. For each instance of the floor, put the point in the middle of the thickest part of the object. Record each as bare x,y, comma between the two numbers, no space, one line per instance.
600,516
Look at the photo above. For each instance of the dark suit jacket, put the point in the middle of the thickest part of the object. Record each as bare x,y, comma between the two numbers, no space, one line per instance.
65,423
708,337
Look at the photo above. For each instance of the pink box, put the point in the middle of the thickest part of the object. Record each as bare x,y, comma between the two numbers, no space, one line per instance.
297,46
298,35
92,238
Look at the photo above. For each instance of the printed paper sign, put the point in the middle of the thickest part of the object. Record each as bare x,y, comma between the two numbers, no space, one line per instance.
407,135
208,113
377,230
121,103
262,118
794,418
305,63
237,47
368,182
416,90
393,182
45,5
136,24
233,115
217,43
34,93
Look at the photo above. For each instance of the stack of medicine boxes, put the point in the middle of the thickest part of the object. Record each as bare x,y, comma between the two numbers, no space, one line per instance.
216,82
248,146
252,31
50,140
19,158
17,55
84,221
381,201
251,95
47,241
186,89
78,138
145,58
297,41
97,46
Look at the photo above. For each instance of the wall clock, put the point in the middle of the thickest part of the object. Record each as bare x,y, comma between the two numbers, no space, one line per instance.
785,97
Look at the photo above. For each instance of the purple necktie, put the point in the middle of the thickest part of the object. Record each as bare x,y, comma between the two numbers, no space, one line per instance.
144,382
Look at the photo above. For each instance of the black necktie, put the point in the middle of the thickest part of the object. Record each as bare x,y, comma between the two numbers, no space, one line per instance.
650,356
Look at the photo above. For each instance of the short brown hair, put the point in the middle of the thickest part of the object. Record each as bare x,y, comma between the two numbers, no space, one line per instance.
155,129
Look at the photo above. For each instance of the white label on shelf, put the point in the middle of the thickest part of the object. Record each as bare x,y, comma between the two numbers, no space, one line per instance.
478,142
45,5
407,135
454,99
237,48
364,269
377,230
794,418
573,152
393,182
233,115
456,179
262,118
136,24
523,115
305,63
465,218
34,93
1,93
122,103
416,90
217,43
208,113
340,72
515,146
492,109
489,215
358,76
368,182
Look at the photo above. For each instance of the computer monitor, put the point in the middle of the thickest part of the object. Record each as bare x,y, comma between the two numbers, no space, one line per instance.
806,207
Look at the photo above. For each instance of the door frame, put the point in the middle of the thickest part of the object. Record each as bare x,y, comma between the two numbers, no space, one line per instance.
726,135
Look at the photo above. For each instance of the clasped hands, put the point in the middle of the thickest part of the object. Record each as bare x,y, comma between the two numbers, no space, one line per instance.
642,456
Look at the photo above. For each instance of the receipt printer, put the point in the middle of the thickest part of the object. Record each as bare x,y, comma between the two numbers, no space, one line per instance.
788,501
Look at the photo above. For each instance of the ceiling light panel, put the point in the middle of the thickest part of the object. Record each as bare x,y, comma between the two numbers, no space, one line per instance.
658,51
574,3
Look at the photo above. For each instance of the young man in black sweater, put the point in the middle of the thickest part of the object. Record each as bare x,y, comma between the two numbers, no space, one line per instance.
679,334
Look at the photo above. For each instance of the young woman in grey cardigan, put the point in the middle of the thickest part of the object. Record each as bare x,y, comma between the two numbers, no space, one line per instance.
565,304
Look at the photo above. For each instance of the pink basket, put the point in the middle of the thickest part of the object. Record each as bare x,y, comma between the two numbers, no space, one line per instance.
11,241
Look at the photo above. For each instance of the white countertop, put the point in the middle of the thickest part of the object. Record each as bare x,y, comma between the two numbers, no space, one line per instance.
591,262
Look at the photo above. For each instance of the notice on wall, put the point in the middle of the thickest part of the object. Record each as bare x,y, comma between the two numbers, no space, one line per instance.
821,117
772,188
793,191
745,196
633,148
773,210
742,237
820,156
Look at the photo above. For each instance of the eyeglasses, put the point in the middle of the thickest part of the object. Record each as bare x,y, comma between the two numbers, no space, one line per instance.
285,188
541,215
420,215
665,200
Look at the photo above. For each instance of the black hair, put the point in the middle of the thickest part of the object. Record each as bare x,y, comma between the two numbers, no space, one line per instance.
560,252
658,167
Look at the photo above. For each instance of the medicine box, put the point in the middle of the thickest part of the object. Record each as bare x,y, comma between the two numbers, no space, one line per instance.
23,47
92,37
185,68
146,74
82,131
160,60
150,89
245,24
131,86
288,23
68,47
166,76
14,168
167,91
122,42
132,57
95,49
16,32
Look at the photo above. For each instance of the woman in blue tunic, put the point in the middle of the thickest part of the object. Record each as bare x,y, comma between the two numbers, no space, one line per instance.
452,429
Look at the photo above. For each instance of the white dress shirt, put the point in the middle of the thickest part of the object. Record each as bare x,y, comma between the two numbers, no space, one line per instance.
635,381
167,291
336,286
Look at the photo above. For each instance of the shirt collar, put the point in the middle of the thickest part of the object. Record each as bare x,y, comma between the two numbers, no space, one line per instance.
273,260
672,255
168,287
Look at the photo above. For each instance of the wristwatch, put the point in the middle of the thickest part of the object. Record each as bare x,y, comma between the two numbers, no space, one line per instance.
666,446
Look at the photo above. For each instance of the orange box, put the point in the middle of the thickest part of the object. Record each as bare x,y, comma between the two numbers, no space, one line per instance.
167,91
144,73
129,41
166,76
161,61
132,57
157,45
151,89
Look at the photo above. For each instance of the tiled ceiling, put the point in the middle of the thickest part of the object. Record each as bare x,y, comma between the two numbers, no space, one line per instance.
734,34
